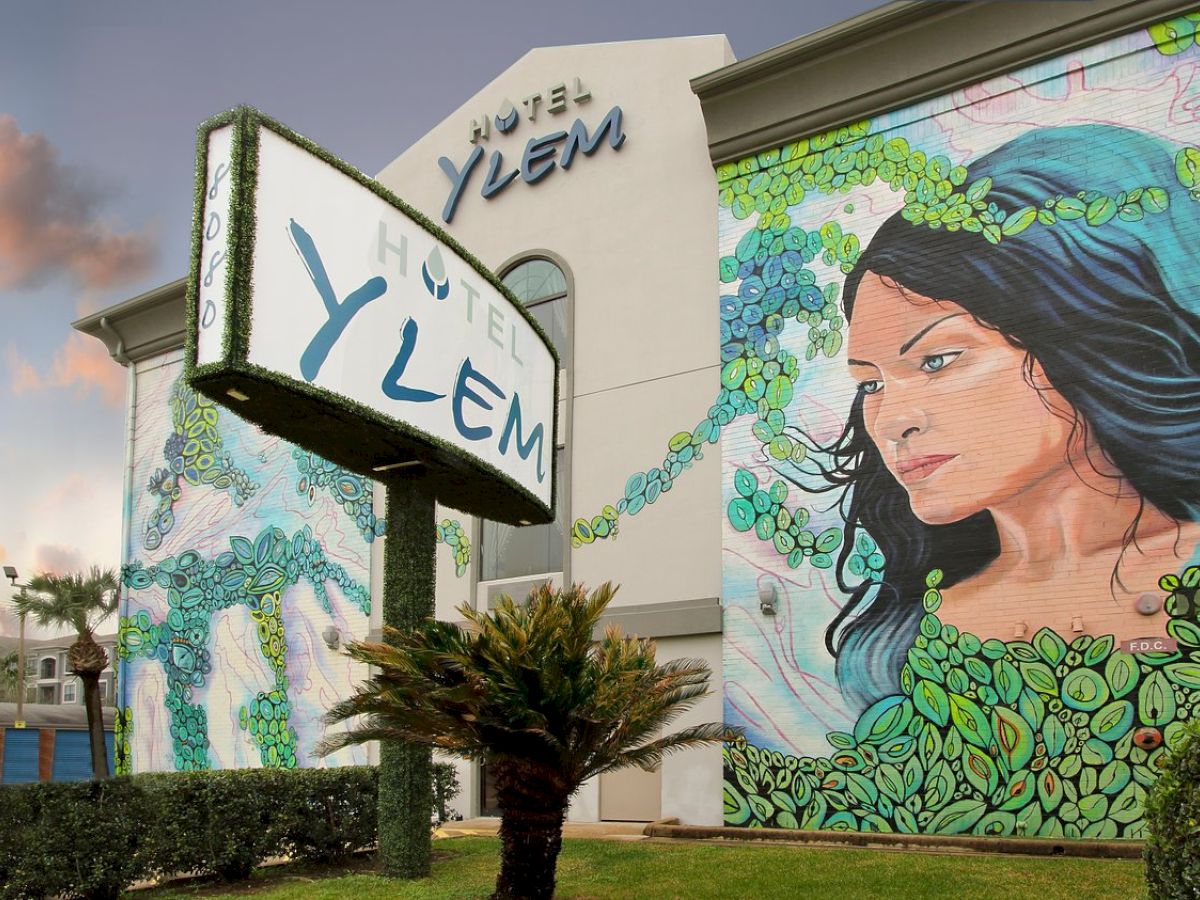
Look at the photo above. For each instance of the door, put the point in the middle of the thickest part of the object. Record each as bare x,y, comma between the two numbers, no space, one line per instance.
631,795
20,755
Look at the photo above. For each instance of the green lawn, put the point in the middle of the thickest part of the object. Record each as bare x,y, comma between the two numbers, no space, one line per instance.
466,867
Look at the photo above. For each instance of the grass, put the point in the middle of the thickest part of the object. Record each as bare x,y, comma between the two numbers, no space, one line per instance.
465,868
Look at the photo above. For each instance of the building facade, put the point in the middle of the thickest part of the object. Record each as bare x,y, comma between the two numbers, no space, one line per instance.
48,676
877,355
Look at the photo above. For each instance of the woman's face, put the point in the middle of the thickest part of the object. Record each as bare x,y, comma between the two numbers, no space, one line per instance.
948,404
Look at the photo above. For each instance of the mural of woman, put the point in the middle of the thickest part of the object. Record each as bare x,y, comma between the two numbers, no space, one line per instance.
1027,418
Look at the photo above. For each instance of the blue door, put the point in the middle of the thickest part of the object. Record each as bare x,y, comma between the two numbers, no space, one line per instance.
20,755
72,756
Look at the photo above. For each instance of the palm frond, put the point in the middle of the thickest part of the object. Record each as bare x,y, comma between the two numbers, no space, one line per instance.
526,681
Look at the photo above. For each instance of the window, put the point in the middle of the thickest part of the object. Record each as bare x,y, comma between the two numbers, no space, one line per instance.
542,287
506,551
49,667
103,689
509,552
69,691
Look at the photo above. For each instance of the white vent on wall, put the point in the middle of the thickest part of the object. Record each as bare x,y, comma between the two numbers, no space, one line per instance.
489,592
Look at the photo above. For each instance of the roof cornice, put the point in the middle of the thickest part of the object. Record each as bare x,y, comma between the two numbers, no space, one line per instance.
894,56
142,326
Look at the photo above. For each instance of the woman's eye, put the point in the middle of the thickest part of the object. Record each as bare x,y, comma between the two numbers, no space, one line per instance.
870,387
938,361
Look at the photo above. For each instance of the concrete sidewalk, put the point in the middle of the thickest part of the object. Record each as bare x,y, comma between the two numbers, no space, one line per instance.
609,831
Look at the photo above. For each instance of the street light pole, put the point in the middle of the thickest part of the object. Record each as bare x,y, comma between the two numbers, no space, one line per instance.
11,573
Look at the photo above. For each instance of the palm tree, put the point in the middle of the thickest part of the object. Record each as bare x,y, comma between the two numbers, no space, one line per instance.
527,691
79,602
10,679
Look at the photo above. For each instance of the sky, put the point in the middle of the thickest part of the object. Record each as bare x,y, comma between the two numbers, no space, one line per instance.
99,104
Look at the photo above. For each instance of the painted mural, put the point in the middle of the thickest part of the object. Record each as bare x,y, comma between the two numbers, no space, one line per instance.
245,555
960,376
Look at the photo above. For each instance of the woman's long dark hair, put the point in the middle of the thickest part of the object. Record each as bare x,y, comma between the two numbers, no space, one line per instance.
1110,314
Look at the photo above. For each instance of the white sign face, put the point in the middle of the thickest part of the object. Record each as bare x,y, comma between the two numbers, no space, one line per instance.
353,297
214,246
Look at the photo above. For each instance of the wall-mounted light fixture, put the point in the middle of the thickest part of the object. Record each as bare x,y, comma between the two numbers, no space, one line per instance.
332,637
1019,629
1077,624
1148,604
767,597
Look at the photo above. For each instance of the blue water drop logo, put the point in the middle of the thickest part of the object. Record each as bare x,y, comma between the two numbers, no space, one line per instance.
506,119
433,272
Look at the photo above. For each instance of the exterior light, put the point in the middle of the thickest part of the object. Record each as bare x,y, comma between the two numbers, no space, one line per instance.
393,466
332,637
767,598
237,395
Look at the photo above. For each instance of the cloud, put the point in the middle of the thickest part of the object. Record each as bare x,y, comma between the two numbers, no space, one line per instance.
57,559
82,363
50,223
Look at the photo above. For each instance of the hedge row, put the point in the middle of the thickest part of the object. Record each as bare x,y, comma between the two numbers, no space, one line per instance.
91,839
1173,823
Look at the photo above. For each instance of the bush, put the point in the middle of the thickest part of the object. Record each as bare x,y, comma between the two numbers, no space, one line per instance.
327,820
1173,823
76,840
445,789
223,823
91,839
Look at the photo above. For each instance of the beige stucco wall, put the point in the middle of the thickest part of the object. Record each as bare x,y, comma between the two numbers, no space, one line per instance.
636,228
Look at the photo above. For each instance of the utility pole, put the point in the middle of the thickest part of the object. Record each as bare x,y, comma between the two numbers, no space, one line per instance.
10,573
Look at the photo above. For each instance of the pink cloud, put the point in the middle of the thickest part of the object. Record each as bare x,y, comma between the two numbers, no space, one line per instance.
82,363
57,559
49,223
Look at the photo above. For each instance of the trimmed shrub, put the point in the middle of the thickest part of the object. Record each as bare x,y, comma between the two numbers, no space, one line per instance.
91,839
223,823
1173,823
326,820
76,839
445,789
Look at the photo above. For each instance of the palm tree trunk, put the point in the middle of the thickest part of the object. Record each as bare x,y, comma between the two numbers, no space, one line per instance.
531,823
95,718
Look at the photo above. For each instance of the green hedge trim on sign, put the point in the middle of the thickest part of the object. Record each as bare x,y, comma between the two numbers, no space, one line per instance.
454,473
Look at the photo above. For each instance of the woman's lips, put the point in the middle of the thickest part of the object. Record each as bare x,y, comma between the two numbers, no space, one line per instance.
917,468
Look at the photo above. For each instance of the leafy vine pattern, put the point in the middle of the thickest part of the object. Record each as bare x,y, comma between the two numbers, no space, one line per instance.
989,737
254,574
194,454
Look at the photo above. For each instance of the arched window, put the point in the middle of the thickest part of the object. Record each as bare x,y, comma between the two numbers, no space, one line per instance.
542,287
48,667
505,551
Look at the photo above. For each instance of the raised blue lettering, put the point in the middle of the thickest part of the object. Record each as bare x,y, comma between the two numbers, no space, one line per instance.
463,391
493,185
391,381
458,180
340,314
577,138
538,160
523,447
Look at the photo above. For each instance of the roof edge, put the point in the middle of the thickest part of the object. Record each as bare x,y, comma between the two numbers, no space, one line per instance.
141,327
917,50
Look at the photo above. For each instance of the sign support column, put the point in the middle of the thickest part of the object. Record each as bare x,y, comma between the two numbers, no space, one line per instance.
409,573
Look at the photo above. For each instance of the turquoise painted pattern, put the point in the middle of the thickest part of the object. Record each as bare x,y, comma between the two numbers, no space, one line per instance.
1040,737
253,573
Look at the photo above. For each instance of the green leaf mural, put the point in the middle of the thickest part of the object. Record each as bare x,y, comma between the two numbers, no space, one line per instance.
1050,754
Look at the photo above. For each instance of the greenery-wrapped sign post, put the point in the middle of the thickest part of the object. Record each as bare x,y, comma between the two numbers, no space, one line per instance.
327,311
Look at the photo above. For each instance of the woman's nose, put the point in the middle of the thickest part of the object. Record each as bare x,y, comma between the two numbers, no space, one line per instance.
900,415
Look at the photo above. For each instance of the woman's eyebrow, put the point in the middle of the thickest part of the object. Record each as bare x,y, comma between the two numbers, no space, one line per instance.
907,345
859,362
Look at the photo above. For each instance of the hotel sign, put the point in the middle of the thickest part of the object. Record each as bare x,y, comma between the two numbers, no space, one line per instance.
329,312
542,155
